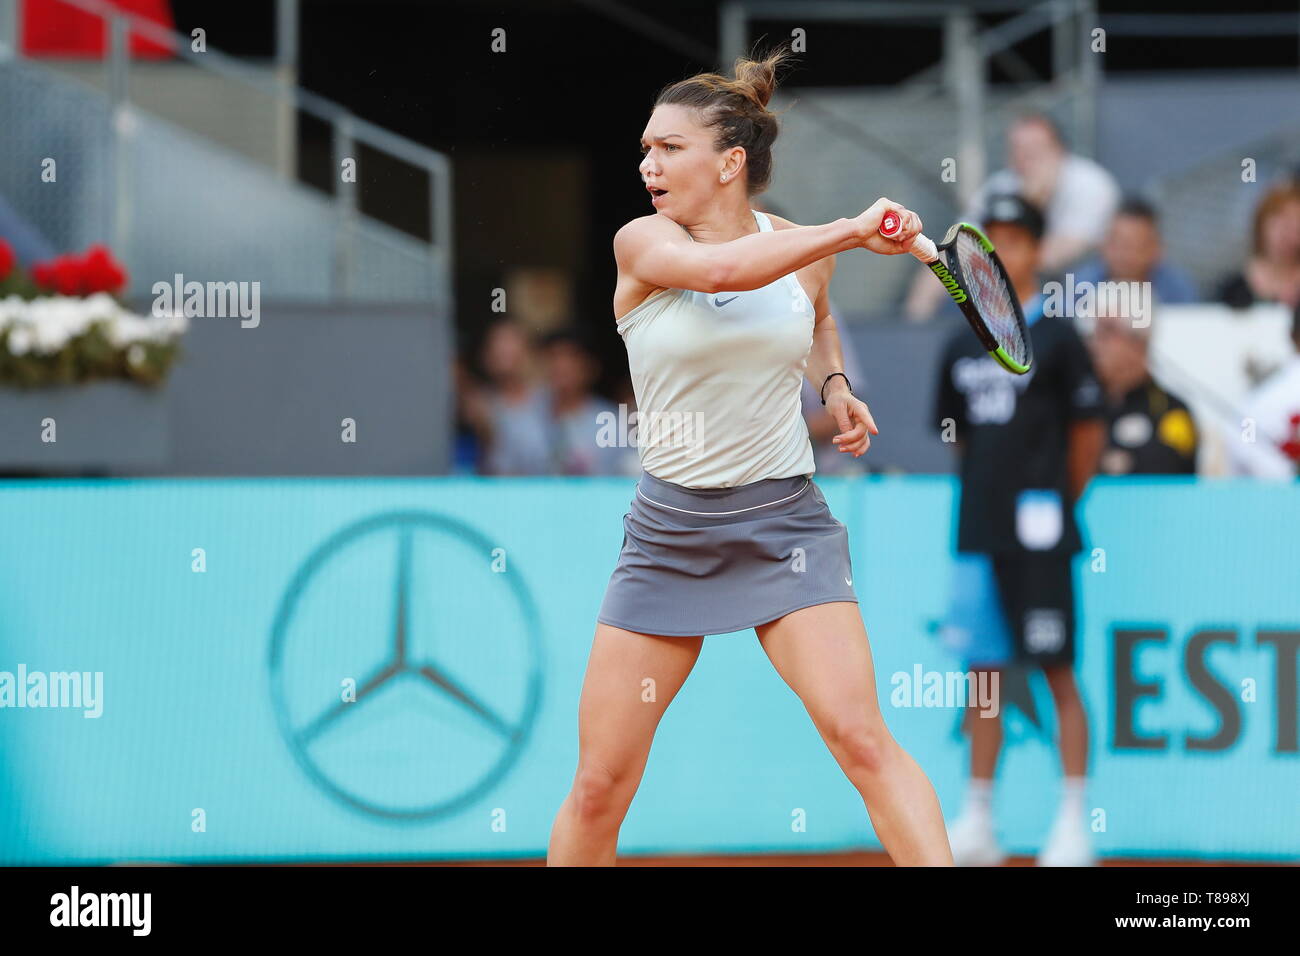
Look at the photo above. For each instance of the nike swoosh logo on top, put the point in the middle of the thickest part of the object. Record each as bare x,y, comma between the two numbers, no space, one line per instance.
721,302
848,582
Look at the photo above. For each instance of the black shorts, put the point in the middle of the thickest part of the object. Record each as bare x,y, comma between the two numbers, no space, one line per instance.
1036,592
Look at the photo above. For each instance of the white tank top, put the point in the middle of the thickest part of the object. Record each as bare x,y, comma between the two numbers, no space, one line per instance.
717,378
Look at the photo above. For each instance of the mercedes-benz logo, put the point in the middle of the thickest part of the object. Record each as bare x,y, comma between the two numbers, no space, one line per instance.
446,657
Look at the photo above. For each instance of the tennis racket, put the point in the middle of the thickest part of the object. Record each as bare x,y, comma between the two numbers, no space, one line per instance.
975,279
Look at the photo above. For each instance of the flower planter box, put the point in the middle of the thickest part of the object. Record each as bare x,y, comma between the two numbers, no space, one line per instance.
99,427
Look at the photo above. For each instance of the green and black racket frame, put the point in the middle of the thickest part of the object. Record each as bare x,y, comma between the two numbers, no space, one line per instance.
975,278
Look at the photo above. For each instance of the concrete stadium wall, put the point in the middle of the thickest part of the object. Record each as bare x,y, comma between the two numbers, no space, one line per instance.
270,400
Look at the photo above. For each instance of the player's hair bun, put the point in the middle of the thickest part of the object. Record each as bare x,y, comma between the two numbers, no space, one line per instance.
736,109
756,79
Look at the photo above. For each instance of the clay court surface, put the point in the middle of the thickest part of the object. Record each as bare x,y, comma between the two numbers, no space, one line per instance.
812,859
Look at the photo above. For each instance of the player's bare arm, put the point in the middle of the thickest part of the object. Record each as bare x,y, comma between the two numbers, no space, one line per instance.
653,252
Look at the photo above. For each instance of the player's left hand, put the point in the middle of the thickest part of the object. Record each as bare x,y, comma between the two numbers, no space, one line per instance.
855,422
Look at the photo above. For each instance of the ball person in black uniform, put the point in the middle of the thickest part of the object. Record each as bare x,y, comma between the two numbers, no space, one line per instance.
1028,446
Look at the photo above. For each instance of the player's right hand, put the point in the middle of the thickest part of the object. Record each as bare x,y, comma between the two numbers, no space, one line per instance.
868,225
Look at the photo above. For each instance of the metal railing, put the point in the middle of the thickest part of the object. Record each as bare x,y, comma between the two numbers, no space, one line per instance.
962,75
347,129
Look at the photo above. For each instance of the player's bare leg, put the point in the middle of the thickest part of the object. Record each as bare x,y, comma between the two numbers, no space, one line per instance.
617,716
822,653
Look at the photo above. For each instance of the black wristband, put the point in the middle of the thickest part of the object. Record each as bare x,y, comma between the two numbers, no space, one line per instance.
831,376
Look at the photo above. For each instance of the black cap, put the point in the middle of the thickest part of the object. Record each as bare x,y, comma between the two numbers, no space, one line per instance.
1016,210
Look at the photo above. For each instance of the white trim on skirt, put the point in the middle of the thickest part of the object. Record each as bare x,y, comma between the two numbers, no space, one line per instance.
719,514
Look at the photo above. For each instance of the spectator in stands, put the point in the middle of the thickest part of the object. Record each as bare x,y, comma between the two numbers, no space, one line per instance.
1268,442
467,449
1148,429
1272,274
1133,252
511,415
1078,198
582,441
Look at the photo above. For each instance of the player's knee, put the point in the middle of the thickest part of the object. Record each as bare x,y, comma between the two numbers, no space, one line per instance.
597,793
865,745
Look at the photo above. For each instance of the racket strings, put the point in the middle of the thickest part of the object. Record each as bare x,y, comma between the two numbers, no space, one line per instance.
992,298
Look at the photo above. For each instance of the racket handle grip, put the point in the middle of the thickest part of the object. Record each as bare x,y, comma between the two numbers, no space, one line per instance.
922,247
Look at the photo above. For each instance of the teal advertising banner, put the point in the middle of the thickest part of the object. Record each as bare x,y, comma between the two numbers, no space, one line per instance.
327,669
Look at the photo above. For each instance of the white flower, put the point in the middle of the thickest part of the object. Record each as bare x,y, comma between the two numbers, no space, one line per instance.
123,328
101,305
20,340
177,323
50,334
55,320
48,323
11,307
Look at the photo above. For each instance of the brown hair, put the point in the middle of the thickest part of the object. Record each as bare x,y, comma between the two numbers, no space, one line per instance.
1287,191
736,110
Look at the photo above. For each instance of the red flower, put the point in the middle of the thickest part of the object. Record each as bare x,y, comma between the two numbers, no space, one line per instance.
101,272
6,259
1291,447
66,272
94,271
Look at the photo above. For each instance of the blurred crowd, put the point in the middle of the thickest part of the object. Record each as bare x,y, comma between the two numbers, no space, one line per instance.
1090,234
1096,234
528,406
532,408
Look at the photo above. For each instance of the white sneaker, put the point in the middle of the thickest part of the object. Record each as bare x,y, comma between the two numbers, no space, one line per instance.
974,843
1068,844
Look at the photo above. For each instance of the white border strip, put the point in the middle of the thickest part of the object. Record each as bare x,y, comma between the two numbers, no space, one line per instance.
718,514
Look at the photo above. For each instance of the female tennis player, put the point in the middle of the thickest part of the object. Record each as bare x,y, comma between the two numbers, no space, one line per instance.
723,310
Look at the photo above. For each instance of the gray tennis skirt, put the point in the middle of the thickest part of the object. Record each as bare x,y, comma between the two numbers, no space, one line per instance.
711,561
